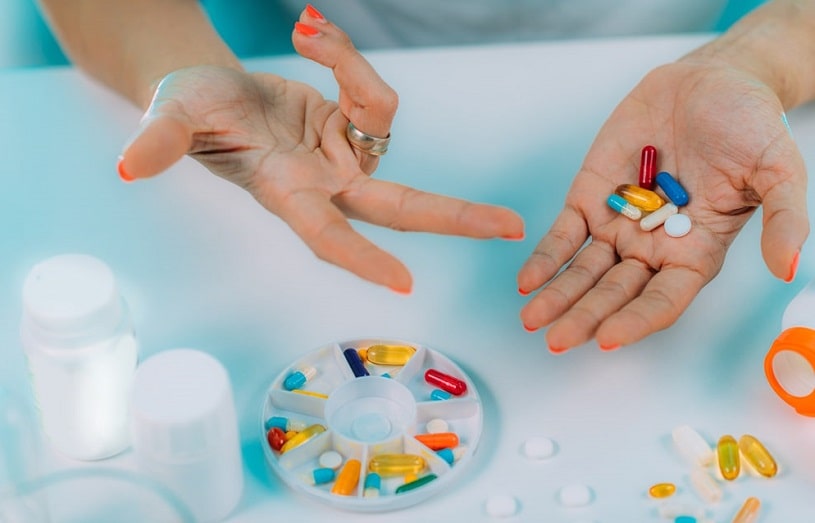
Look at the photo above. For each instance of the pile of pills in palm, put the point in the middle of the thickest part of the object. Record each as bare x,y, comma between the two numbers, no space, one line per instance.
642,203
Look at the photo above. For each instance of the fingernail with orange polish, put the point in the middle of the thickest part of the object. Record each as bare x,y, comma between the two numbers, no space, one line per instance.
304,29
403,292
314,13
556,350
610,347
122,173
516,237
523,292
793,267
527,328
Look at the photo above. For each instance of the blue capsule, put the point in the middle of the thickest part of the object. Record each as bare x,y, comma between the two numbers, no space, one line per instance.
672,189
447,455
622,206
323,475
355,362
284,424
439,395
373,483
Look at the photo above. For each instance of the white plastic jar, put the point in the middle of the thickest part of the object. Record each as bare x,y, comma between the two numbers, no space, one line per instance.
790,363
82,355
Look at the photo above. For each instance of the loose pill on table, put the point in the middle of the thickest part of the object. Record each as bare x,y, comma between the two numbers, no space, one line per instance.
677,225
330,459
748,513
538,447
692,446
662,490
437,425
299,377
575,495
672,189
644,199
705,486
621,205
445,382
757,457
727,457
658,217
501,506
648,166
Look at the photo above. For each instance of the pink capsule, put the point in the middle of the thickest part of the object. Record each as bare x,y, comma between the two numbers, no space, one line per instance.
648,167
445,382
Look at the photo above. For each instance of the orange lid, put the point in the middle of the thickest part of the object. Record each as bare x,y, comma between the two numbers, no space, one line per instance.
799,391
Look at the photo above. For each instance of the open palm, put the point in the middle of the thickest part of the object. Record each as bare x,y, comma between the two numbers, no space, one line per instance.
285,143
723,134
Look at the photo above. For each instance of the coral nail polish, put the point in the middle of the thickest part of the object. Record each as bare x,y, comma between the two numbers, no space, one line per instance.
610,347
122,173
529,329
523,292
304,29
314,13
793,267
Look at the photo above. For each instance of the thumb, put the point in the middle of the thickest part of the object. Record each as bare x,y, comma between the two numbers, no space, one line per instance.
163,138
785,222
365,99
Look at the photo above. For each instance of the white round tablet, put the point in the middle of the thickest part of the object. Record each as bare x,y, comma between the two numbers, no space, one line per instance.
437,425
575,495
538,447
501,506
330,459
677,225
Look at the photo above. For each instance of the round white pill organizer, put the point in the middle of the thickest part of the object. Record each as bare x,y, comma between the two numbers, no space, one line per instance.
372,417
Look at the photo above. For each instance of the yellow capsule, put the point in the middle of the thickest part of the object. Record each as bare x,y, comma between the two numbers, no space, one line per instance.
392,465
348,478
637,196
727,451
389,354
757,456
748,513
662,490
301,437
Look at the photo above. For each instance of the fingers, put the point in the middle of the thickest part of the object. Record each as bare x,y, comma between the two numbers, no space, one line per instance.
563,240
662,301
159,142
618,287
365,99
327,232
785,222
568,287
407,209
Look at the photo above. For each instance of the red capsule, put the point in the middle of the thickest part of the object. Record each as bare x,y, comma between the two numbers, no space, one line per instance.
648,167
445,382
276,438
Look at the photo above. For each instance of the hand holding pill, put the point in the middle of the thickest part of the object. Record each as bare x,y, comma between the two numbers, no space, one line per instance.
723,136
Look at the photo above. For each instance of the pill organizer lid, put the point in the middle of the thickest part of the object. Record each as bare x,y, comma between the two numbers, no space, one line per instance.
182,407
71,295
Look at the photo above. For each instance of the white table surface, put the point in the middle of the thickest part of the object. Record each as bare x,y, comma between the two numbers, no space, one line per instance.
203,266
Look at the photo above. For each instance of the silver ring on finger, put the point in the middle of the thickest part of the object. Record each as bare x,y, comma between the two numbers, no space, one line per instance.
365,142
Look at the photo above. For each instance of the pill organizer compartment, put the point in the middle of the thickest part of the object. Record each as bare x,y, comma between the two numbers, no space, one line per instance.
370,416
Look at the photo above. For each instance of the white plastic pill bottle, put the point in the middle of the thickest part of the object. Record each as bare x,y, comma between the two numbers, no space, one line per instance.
82,354
185,431
790,363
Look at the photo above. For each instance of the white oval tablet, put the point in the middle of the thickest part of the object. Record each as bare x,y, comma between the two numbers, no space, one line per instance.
437,425
501,506
575,495
677,225
538,447
330,459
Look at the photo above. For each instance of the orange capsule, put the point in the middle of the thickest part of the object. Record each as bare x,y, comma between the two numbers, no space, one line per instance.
348,478
438,440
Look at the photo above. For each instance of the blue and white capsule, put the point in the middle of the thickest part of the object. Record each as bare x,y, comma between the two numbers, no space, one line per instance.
672,189
284,424
440,395
621,205
373,483
299,377
320,476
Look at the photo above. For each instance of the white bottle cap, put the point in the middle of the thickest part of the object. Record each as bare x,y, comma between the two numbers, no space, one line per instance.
185,432
71,296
